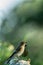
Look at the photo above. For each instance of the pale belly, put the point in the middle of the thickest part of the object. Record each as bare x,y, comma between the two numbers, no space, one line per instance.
20,52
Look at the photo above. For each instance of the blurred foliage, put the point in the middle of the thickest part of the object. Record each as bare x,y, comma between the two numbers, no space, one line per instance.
5,50
25,23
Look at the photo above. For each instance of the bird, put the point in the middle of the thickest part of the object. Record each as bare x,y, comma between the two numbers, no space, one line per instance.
18,51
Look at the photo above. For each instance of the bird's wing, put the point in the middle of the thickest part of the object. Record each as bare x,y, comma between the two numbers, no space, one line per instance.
18,49
10,57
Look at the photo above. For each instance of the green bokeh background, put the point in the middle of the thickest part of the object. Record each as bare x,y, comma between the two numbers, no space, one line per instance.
29,27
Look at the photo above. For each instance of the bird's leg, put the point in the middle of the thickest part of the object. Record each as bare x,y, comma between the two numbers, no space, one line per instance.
17,59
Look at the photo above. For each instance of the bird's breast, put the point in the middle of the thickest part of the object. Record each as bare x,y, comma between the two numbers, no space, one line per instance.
21,51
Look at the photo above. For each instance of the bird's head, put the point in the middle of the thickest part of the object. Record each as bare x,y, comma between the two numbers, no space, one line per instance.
23,43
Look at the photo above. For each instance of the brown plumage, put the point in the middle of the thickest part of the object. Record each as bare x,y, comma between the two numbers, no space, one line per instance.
18,52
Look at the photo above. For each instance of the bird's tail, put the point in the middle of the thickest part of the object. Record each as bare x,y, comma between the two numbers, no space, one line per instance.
8,60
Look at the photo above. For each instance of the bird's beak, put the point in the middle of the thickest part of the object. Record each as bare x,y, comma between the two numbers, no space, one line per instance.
25,45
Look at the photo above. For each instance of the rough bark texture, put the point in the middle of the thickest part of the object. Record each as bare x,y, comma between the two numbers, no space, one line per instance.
21,62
